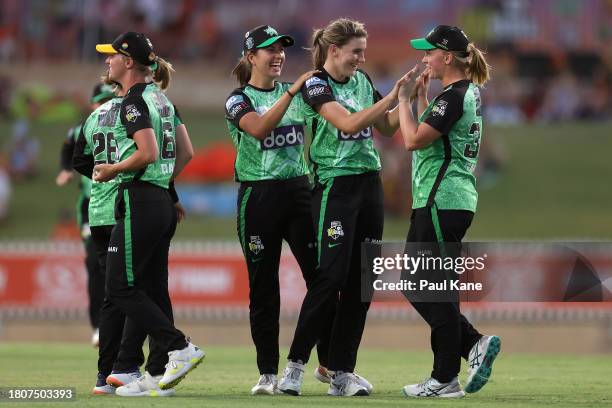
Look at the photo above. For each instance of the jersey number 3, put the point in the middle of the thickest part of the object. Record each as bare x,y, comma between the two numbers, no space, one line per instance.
471,149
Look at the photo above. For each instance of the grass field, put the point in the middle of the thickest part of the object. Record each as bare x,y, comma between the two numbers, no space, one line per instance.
225,378
551,186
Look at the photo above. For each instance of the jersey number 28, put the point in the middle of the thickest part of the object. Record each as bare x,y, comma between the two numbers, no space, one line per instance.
105,148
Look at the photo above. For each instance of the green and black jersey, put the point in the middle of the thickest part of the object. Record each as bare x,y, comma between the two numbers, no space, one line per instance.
333,152
84,183
280,155
98,143
443,172
146,106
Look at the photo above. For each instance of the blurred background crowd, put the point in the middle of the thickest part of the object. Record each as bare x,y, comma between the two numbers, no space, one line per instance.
552,65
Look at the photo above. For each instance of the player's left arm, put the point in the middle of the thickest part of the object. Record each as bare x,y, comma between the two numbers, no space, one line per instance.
184,149
387,125
447,110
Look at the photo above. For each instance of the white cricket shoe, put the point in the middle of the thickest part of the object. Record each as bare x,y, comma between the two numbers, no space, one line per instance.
95,338
267,385
480,362
145,386
180,363
120,379
430,387
347,385
325,376
291,383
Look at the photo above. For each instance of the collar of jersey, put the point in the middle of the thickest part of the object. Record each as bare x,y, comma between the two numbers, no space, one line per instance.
263,89
335,80
139,87
449,86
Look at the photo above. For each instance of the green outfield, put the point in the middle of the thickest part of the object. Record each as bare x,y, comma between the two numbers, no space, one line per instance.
552,186
225,378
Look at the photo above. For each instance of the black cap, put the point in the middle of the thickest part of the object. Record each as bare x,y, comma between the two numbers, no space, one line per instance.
102,92
134,45
444,37
263,36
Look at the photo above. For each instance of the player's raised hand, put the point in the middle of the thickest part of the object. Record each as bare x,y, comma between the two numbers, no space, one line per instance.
104,172
403,84
421,85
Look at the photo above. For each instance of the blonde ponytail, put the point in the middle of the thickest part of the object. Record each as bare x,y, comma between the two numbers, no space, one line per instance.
163,73
478,70
474,64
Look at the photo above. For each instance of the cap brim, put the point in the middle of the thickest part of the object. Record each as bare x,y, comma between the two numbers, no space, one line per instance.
106,49
285,39
422,44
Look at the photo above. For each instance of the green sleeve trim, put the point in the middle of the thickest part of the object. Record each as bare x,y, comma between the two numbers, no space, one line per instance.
128,240
438,230
243,204
322,210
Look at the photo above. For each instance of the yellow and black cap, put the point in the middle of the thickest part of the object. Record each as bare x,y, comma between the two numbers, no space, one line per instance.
134,45
263,36
444,37
102,92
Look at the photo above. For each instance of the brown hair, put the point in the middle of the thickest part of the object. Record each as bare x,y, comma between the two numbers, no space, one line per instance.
242,70
475,65
338,32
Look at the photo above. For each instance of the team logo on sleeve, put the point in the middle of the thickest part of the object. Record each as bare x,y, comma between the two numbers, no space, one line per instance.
439,108
256,246
131,113
235,105
316,86
335,230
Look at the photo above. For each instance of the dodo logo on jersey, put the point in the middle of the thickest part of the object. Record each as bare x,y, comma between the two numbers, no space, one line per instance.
316,86
364,134
335,230
440,108
256,246
235,105
284,136
131,113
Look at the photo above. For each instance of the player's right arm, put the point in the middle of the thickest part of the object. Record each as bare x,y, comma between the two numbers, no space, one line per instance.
82,158
260,126
66,153
321,98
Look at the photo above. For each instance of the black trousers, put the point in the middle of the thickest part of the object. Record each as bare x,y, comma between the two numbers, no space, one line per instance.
95,282
121,347
137,271
347,211
268,212
452,335
95,275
